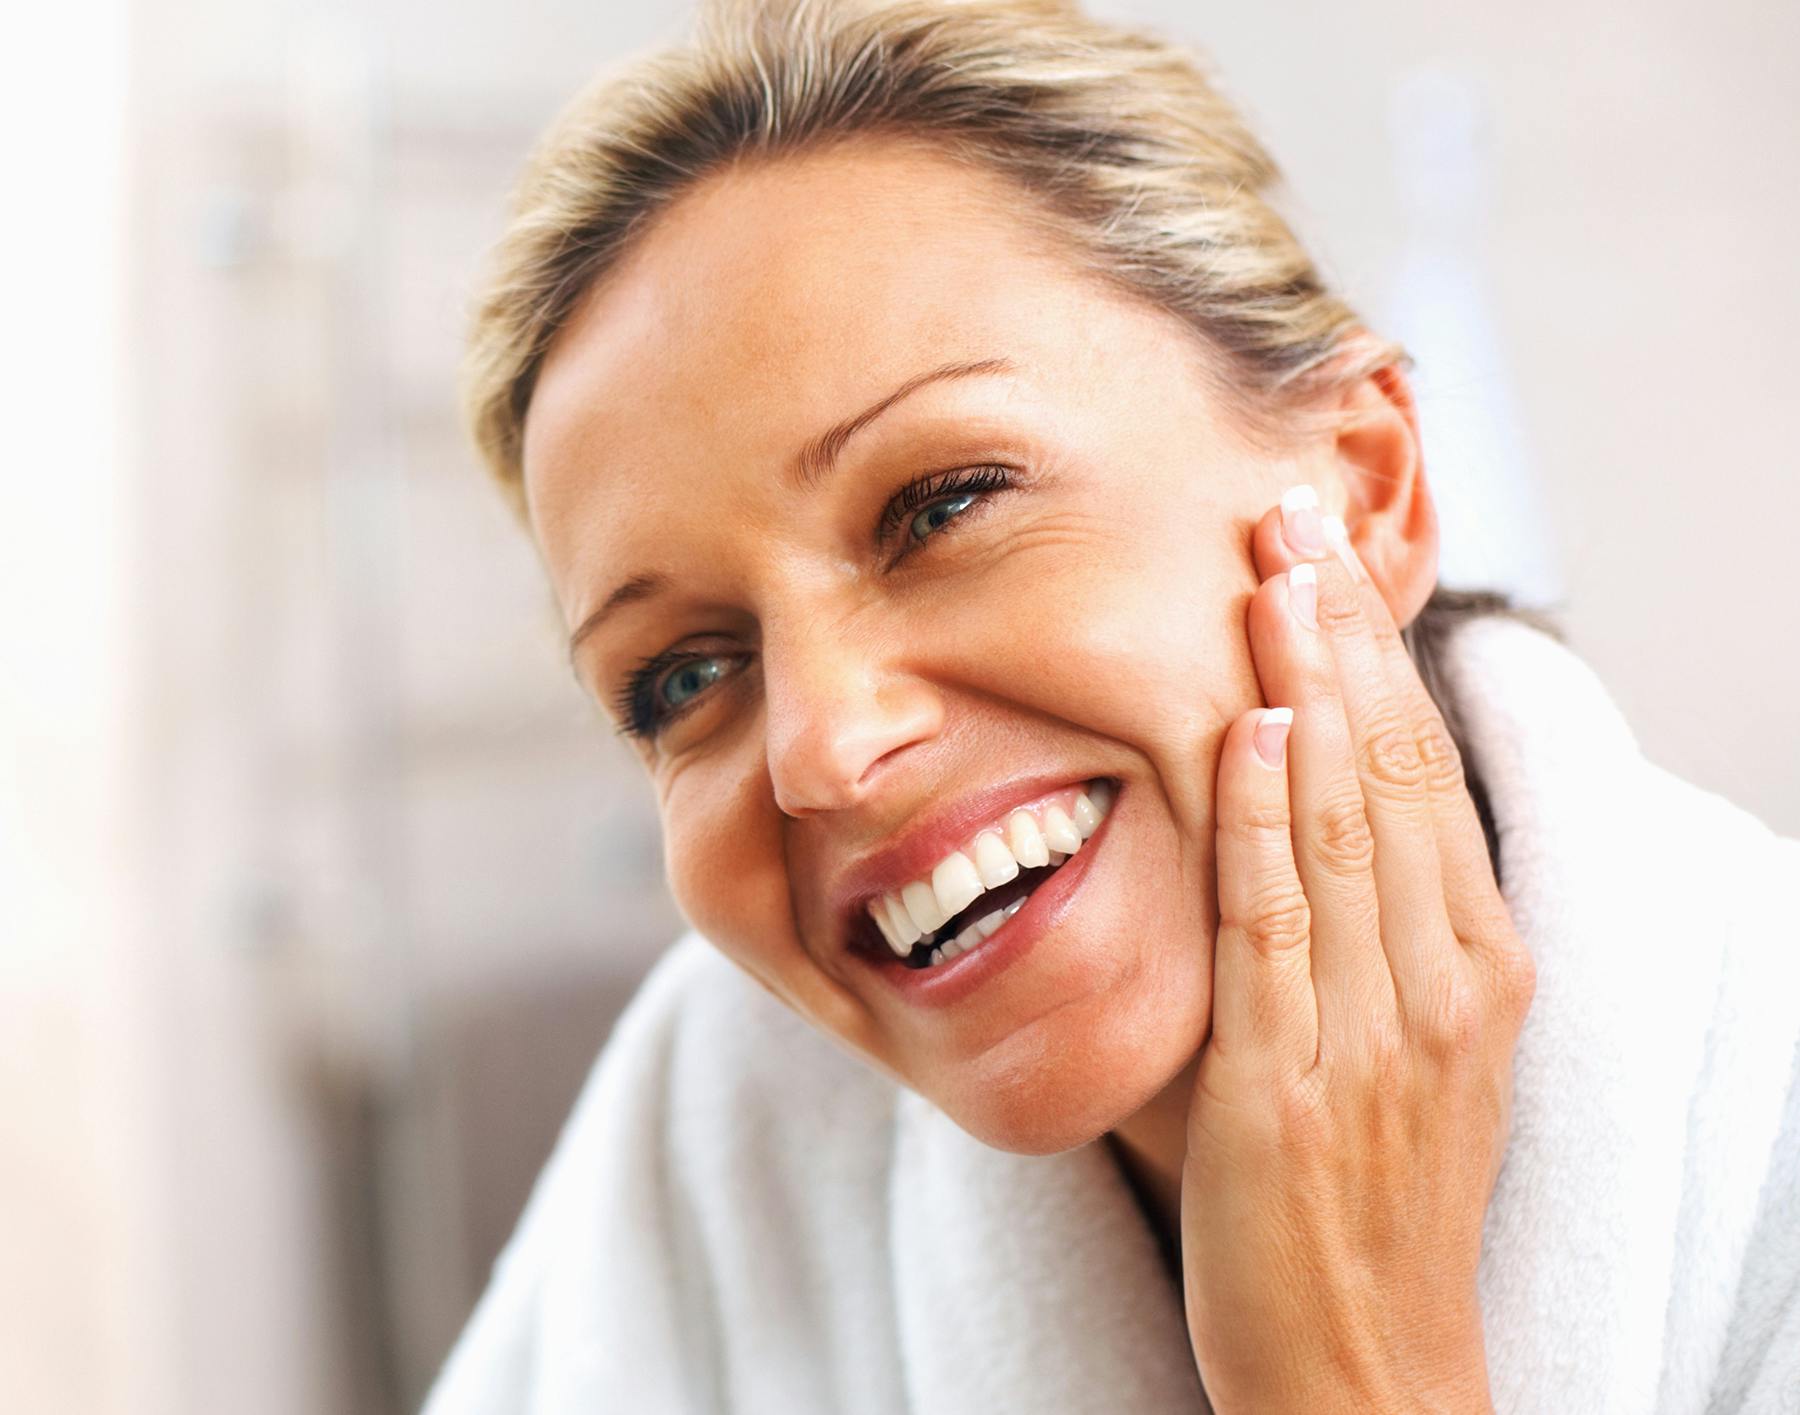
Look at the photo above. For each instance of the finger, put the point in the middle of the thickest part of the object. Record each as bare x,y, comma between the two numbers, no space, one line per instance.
1416,934
1289,532
1476,910
1263,1000
1333,844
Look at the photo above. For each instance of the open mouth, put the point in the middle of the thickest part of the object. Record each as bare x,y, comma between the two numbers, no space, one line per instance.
984,917
973,891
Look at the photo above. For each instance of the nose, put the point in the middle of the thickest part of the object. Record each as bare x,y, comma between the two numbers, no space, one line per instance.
834,712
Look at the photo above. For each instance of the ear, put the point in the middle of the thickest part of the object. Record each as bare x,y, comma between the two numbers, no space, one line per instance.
1388,511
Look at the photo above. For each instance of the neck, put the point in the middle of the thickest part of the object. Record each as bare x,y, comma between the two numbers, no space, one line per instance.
1151,1147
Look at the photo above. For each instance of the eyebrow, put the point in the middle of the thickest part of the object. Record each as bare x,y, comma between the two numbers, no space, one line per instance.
818,458
814,463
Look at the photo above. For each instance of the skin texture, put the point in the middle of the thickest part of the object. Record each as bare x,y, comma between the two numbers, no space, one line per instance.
1096,618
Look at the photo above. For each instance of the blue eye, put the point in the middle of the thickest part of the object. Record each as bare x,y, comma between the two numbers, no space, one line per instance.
937,499
934,516
688,680
663,685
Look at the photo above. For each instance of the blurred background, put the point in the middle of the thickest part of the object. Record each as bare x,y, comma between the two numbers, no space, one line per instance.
320,883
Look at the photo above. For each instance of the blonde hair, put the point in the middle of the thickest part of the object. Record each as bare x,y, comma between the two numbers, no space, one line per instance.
1138,163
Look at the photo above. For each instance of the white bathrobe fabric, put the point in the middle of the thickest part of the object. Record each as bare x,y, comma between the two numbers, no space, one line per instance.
740,1216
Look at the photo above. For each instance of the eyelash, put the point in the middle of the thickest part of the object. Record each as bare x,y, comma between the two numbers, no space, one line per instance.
937,486
633,707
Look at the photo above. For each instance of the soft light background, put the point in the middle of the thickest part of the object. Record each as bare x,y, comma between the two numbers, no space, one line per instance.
320,884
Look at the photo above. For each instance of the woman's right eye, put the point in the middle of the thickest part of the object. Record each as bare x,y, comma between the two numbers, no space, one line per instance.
663,686
689,680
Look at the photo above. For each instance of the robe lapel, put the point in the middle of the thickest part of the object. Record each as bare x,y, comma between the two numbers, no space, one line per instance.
1028,1282
1622,880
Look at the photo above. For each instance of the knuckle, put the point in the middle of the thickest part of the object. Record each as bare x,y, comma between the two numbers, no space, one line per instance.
1345,843
1457,1024
1392,762
1442,762
1279,922
1300,1113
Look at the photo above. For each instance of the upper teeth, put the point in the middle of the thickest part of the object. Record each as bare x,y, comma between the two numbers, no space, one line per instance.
1045,833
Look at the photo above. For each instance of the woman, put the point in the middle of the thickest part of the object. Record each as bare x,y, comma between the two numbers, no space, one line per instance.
1004,554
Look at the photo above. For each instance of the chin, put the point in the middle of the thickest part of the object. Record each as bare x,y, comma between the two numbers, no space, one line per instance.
1044,1095
1043,1124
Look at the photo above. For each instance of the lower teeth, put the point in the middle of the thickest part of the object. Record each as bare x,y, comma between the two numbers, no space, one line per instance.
936,955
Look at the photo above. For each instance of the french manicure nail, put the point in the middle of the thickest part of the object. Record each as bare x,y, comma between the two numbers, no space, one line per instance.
1303,594
1271,734
1300,520
1340,542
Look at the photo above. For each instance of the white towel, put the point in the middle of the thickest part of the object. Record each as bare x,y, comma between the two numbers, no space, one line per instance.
740,1216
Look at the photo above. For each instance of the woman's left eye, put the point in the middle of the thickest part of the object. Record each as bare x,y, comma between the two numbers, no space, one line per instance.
936,515
937,500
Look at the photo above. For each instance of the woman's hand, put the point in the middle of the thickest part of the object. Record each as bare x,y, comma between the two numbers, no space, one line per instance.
1353,1101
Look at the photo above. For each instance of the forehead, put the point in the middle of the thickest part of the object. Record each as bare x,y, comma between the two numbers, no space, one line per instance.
767,301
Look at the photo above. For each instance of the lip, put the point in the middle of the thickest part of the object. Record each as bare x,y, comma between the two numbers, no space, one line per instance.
1044,909
915,854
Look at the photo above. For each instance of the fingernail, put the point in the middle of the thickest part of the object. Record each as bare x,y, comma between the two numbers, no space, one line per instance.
1271,734
1303,594
1300,520
1340,542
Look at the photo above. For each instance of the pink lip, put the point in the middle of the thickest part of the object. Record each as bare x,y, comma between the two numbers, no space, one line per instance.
1044,909
914,854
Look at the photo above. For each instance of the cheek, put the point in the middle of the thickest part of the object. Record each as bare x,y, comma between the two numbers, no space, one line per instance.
1130,629
724,866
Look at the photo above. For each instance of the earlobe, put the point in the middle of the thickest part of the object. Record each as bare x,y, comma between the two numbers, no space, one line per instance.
1389,514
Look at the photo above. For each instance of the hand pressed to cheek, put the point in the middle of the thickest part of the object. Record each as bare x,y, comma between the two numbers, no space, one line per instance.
1332,843
1429,856
1352,1105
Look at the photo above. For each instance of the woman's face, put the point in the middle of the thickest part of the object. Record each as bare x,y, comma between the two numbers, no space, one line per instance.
851,683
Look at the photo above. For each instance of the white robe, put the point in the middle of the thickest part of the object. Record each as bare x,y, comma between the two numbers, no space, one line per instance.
739,1216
